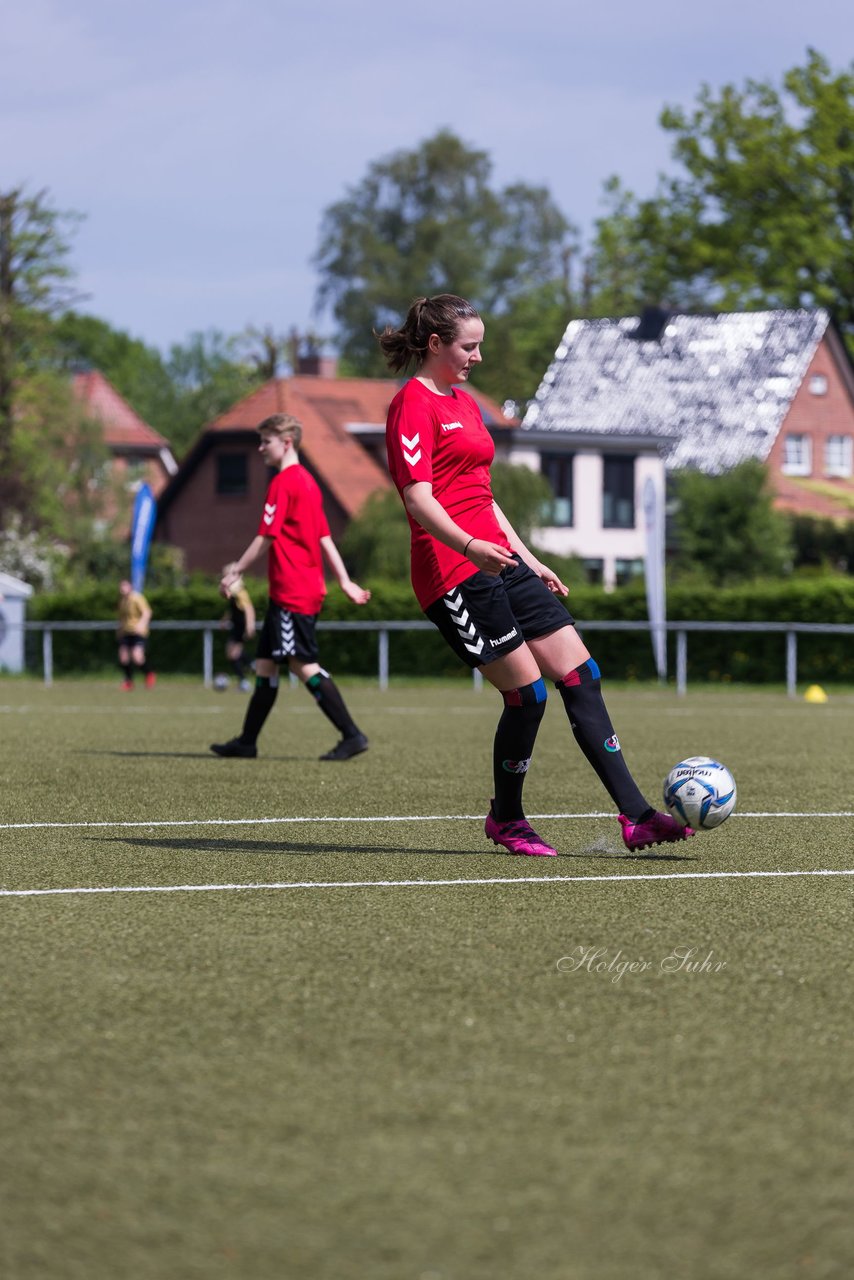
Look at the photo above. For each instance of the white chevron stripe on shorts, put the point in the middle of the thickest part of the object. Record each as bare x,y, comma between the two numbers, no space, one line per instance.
460,618
286,633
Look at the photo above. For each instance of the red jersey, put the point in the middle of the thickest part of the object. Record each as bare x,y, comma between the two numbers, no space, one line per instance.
442,440
294,518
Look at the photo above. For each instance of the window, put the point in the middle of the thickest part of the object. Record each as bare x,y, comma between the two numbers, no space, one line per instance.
232,474
797,455
627,570
818,384
838,456
594,572
618,492
557,469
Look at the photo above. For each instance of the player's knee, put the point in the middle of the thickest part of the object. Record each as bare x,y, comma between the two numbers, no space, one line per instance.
586,673
528,695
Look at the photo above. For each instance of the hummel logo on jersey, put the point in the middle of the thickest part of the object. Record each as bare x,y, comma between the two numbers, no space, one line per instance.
452,426
269,512
411,450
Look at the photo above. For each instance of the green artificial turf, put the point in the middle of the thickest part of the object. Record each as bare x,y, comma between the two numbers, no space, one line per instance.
424,1081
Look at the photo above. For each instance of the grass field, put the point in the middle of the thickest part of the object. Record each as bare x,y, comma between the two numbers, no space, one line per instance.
286,1020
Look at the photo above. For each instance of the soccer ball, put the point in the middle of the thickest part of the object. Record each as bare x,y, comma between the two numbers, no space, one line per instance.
220,683
700,793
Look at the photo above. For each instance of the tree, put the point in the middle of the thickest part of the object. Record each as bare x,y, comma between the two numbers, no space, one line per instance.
522,494
428,221
727,528
177,394
34,284
761,214
376,543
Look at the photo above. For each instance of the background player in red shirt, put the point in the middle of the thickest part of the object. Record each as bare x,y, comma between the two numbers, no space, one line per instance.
491,598
294,533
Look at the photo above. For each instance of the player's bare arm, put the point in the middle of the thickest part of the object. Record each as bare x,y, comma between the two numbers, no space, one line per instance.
351,589
432,516
238,567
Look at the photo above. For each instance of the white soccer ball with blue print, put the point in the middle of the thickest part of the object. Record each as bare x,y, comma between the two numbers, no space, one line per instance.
700,792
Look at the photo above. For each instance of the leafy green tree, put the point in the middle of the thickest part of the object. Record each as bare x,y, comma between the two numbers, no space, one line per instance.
726,526
137,371
208,376
523,495
178,394
761,213
376,543
65,482
34,283
429,221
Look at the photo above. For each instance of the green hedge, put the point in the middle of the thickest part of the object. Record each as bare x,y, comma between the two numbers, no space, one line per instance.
747,656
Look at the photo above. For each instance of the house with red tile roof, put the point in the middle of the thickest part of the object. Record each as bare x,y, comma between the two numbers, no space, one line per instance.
139,454
210,507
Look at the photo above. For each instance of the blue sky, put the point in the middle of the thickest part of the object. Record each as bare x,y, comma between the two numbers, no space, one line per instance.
203,140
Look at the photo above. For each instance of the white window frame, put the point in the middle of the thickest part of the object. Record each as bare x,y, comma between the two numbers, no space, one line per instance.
838,456
797,455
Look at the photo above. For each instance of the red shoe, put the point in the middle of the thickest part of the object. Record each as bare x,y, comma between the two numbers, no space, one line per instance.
150,680
659,829
517,836
127,685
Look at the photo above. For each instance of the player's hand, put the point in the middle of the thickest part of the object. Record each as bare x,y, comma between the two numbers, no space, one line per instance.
550,578
490,557
352,590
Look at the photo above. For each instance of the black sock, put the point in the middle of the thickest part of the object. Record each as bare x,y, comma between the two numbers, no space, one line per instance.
328,697
238,666
513,746
127,667
581,691
260,706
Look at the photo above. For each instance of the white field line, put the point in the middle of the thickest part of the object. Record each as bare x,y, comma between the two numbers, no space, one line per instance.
411,817
411,884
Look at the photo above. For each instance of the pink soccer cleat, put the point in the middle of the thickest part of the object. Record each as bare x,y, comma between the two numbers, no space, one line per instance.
517,836
659,829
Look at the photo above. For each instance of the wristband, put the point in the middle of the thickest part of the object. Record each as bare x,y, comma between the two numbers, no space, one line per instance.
468,544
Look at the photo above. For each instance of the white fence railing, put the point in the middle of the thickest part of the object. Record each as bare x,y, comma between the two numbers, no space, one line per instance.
383,630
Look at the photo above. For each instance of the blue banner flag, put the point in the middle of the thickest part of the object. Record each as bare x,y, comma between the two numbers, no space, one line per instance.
142,527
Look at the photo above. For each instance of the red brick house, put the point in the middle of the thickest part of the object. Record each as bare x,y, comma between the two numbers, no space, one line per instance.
139,454
211,507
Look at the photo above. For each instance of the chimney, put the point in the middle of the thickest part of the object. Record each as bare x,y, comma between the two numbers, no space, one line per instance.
314,365
651,326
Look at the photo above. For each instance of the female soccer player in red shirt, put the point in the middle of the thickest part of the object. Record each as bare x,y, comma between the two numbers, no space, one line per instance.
491,598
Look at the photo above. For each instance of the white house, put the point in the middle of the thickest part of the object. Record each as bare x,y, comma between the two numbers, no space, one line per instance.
13,597
623,399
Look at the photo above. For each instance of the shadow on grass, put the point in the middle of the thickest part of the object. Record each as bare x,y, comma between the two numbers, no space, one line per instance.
192,755
315,847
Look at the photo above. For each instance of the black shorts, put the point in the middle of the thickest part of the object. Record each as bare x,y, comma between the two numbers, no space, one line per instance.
287,635
490,615
129,641
237,635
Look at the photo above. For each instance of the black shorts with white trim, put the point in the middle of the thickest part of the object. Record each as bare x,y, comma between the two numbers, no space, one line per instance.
286,635
490,615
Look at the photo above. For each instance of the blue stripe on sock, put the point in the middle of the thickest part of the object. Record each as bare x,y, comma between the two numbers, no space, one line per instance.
594,669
